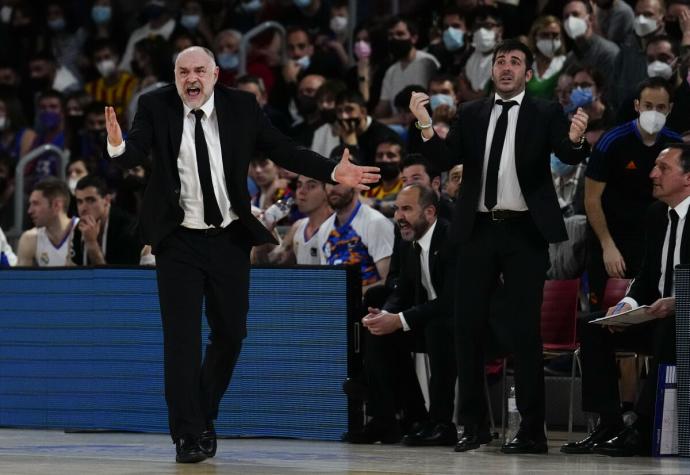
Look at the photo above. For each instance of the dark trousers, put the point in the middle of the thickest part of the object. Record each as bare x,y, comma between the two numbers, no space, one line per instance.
514,250
391,375
193,267
656,338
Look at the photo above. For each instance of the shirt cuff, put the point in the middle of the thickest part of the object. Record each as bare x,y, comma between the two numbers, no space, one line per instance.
115,151
630,301
406,327
333,173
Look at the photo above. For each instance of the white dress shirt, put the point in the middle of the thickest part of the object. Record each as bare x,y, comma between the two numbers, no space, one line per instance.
509,193
191,197
682,210
425,243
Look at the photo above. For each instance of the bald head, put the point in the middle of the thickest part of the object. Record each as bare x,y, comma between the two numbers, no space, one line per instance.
196,74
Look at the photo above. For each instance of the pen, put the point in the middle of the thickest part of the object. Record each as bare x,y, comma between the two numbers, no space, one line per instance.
617,308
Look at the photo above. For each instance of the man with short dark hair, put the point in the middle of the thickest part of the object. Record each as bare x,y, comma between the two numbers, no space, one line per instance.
415,168
666,247
113,86
502,225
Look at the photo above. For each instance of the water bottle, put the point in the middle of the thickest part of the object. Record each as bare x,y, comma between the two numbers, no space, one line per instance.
513,416
277,211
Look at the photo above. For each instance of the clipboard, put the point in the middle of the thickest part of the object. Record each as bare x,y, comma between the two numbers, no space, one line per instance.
627,318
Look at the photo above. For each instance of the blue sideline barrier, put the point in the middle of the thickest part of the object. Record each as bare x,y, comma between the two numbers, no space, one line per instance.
82,349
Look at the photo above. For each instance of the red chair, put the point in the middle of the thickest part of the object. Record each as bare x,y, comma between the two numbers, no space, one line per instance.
559,311
614,291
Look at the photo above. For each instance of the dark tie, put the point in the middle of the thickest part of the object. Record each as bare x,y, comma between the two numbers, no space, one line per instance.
419,291
668,277
491,189
212,215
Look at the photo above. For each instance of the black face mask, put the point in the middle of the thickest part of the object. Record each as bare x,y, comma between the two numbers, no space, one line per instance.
97,136
673,30
306,105
389,171
328,116
399,48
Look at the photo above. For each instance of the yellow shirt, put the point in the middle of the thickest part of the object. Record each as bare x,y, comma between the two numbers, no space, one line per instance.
117,95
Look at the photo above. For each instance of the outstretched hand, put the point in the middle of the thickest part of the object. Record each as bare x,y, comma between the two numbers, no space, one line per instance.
112,127
355,176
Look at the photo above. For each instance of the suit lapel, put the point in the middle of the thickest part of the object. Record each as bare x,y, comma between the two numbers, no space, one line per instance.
175,121
684,257
526,114
226,125
483,120
434,249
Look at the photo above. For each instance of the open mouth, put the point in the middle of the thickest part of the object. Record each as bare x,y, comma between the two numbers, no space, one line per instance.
193,91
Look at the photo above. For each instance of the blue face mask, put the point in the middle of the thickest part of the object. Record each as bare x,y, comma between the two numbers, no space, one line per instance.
252,6
228,61
581,97
57,25
399,129
559,168
48,120
302,3
304,61
453,39
439,99
101,14
190,21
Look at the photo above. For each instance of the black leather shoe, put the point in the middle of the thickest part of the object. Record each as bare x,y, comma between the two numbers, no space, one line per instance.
627,443
439,433
522,443
208,441
473,436
600,434
377,430
188,450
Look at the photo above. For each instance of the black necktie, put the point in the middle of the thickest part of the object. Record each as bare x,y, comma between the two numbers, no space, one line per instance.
419,291
212,215
668,277
491,189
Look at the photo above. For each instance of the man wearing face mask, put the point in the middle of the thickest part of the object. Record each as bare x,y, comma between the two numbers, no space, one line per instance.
326,137
388,158
453,49
631,63
50,126
412,66
6,191
588,47
303,132
487,27
618,190
614,19
226,46
113,86
158,22
677,23
46,73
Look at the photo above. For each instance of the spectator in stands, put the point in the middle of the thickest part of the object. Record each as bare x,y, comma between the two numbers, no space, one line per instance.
355,233
382,196
339,27
48,244
16,137
653,286
452,187
589,48
50,121
366,76
75,105
404,121
677,23
618,190
6,191
105,22
412,66
303,131
300,245
443,101
158,22
181,39
453,49
310,15
357,128
547,43
588,92
226,46
271,187
65,35
416,169
487,32
255,85
564,88
105,235
414,315
631,64
194,20
77,168
112,87
326,136
46,73
130,192
614,20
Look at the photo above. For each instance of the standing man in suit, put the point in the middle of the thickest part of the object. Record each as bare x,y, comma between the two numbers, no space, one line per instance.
667,245
506,214
196,216
416,315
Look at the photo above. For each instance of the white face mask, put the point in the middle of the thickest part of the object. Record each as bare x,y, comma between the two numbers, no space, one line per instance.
575,27
644,26
659,69
339,24
106,67
484,40
652,121
3,122
548,47
72,184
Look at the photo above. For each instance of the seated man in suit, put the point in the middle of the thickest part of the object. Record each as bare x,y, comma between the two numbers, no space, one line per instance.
668,235
414,315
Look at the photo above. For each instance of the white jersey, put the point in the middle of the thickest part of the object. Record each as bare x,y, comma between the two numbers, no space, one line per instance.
49,255
306,251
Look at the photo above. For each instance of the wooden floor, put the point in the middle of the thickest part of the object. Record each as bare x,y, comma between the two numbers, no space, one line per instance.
32,452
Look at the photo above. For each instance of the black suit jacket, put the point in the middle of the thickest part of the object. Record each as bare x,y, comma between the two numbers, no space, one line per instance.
244,130
401,279
645,287
123,246
541,128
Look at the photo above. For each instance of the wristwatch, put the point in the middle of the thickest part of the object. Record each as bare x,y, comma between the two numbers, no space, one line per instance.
423,126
